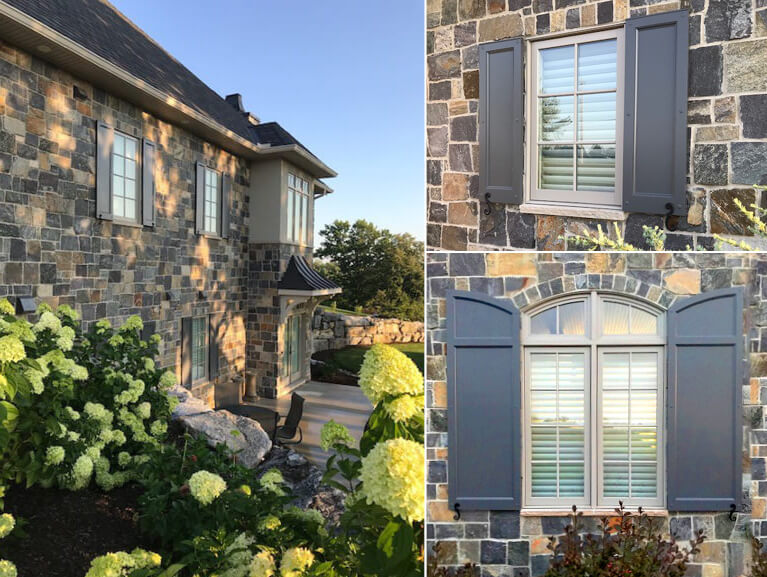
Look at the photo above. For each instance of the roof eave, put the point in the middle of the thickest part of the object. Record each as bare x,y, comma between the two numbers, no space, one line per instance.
20,29
313,293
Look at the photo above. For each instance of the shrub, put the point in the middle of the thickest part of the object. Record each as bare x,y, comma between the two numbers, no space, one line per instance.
629,546
87,406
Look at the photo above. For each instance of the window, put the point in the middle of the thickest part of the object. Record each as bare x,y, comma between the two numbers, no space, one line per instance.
199,349
298,207
212,201
593,403
292,362
575,109
125,175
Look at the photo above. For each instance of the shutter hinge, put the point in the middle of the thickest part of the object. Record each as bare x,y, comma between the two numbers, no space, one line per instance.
733,509
457,509
669,214
489,208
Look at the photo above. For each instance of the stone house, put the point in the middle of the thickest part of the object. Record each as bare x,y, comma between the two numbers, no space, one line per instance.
546,118
560,379
128,186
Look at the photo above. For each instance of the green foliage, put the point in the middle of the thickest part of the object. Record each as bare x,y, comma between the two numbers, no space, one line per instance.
380,272
628,545
350,358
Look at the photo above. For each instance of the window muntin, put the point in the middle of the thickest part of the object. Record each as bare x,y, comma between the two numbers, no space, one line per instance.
212,201
125,177
298,207
593,404
575,107
199,349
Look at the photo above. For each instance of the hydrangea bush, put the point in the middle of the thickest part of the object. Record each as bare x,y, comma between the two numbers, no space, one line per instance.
85,407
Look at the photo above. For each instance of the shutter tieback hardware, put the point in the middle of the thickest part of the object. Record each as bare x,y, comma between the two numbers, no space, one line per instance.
731,516
489,207
457,509
669,214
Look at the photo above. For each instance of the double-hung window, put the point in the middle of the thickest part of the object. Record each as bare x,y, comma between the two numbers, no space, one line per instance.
576,104
212,201
199,349
299,206
125,177
593,403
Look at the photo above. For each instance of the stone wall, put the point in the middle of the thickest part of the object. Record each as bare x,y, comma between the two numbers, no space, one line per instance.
727,118
507,543
334,330
54,248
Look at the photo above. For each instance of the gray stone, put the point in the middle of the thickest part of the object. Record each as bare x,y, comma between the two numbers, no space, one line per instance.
518,553
753,115
250,441
728,20
573,18
604,12
469,264
521,229
437,138
463,128
493,552
705,71
710,163
468,9
492,227
489,286
749,162
444,65
436,113
681,528
465,34
745,64
504,524
460,157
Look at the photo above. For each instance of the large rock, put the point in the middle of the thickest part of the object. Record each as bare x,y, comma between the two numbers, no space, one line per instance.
188,404
304,481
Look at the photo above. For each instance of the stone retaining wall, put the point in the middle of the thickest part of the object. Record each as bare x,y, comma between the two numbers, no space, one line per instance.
334,330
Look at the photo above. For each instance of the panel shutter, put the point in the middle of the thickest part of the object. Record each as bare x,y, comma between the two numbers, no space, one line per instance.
484,397
705,373
105,137
500,121
226,192
199,199
655,109
186,352
147,182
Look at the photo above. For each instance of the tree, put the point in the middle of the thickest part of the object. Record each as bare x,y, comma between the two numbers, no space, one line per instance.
380,272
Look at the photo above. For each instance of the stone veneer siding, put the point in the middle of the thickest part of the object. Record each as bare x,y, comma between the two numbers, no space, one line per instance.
727,118
53,247
505,543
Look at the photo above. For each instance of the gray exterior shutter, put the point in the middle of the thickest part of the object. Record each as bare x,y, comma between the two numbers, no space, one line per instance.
226,192
214,345
484,399
705,373
500,121
199,198
186,352
147,182
104,139
655,114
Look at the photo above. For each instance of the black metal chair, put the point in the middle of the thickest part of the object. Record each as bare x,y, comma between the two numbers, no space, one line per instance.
286,432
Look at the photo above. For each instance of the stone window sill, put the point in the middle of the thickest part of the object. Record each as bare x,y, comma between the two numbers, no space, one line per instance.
596,213
125,222
588,512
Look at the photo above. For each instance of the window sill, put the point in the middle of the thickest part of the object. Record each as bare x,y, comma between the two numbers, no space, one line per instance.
131,223
211,235
589,512
573,211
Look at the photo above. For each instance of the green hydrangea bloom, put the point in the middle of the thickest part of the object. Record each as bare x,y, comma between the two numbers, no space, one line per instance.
295,561
389,372
158,428
72,414
404,408
48,321
262,565
8,569
6,308
206,487
35,379
123,458
115,340
272,481
269,523
155,339
333,433
144,410
132,323
7,523
167,380
148,364
54,455
66,338
11,349
81,472
65,311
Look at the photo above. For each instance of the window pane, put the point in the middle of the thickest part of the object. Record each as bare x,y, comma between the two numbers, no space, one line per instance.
616,479
556,70
555,167
571,408
597,65
596,116
615,318
544,443
118,206
571,444
119,144
643,323
615,408
544,323
644,479
130,148
130,169
571,480
571,370
596,167
289,212
544,480
644,370
129,189
644,444
199,348
572,319
118,165
130,208
556,118
543,407
615,443
545,374
615,371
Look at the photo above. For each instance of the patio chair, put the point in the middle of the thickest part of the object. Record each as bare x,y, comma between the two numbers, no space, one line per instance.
287,432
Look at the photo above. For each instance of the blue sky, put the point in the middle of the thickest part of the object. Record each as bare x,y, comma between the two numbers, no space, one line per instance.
343,76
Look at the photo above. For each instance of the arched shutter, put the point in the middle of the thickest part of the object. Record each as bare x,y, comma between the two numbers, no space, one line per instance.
655,113
484,398
705,373
500,121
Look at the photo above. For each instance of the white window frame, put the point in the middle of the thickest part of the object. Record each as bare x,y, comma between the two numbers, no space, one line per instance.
196,378
585,199
113,156
211,201
300,345
595,343
298,209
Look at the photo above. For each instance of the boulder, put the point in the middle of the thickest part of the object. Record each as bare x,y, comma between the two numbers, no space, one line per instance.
188,404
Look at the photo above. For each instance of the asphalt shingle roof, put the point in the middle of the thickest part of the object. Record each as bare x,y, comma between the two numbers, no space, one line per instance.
302,277
99,27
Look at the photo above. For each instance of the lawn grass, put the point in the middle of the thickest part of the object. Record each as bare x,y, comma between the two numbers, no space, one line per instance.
350,358
343,311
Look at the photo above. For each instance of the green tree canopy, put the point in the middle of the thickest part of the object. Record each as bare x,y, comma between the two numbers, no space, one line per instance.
380,272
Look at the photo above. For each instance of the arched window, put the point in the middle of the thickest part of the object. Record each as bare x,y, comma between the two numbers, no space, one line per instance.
593,402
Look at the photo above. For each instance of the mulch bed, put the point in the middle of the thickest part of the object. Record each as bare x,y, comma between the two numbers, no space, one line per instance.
67,529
